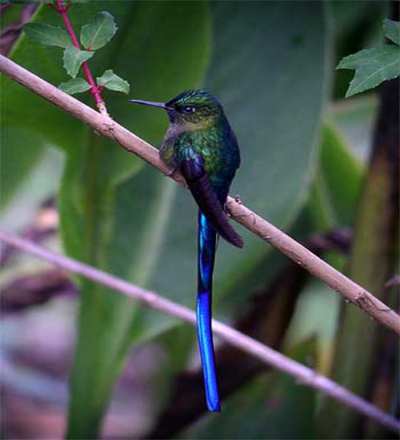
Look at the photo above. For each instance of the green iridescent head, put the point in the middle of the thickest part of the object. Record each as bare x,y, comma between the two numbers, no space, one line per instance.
193,106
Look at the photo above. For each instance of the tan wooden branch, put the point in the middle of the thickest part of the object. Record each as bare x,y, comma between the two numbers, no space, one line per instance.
103,124
303,374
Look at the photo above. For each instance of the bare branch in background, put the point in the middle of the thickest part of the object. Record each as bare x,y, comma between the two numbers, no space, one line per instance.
10,33
267,321
243,215
270,357
394,281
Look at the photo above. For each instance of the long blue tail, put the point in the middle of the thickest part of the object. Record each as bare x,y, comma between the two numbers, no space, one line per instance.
206,254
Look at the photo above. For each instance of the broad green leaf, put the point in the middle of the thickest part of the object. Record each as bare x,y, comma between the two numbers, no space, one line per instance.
392,30
47,34
73,59
22,145
99,31
110,217
122,216
277,163
112,81
354,119
259,117
331,205
372,67
39,182
20,152
75,85
338,180
316,316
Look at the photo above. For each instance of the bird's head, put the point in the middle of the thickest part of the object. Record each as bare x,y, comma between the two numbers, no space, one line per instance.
192,108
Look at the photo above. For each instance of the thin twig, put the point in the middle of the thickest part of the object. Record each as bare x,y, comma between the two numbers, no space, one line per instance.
266,319
104,125
303,374
95,90
10,33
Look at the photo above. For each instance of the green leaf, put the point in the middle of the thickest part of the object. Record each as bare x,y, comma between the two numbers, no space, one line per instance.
121,206
47,34
73,59
75,85
331,205
260,117
339,178
112,81
21,151
372,67
355,120
133,201
35,180
392,30
99,32
124,217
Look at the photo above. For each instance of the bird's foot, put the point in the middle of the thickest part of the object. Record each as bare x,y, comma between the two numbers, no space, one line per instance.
238,199
227,211
226,207
171,172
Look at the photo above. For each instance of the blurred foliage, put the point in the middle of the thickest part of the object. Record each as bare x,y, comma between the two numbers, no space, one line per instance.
303,165
373,261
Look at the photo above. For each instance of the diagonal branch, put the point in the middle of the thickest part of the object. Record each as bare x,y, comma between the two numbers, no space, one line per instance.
268,356
104,125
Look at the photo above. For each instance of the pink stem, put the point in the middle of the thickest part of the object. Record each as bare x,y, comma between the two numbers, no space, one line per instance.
95,90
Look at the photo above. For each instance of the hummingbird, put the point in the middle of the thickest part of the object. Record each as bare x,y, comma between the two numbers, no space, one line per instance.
201,144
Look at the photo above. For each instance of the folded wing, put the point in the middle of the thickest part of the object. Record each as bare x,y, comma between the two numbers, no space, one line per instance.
196,177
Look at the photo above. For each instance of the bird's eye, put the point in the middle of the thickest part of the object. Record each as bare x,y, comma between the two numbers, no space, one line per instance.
189,109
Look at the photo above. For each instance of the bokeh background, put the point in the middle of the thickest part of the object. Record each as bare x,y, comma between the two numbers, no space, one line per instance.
313,163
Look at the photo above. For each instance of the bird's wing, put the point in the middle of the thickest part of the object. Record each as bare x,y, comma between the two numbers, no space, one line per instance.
192,168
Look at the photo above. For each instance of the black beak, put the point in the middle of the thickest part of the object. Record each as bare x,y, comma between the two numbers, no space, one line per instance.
149,103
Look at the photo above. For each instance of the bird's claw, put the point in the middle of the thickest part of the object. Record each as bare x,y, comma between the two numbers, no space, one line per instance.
226,207
171,172
238,199
226,210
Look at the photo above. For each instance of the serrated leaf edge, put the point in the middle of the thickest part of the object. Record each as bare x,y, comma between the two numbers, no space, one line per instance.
58,28
386,23
89,24
99,81
84,51
87,85
353,90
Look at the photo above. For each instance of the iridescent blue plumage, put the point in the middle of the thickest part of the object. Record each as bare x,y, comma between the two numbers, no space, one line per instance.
206,255
201,144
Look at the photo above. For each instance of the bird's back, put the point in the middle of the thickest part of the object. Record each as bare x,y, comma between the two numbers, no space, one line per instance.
217,145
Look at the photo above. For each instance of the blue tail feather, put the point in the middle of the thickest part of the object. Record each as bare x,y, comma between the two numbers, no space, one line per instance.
206,255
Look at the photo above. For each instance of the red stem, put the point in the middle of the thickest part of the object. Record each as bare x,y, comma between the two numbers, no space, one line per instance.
95,90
